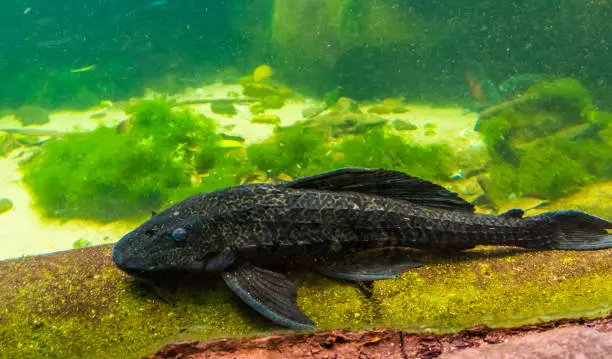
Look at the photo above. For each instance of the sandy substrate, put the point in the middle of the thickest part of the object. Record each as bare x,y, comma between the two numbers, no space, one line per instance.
24,232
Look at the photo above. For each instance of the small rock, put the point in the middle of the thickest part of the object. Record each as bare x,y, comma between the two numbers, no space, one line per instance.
257,108
274,101
494,338
266,119
262,72
32,115
379,110
261,90
395,105
430,126
97,115
346,105
5,205
402,125
223,107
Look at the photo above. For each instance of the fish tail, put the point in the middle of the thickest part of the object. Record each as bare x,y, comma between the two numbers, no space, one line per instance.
573,230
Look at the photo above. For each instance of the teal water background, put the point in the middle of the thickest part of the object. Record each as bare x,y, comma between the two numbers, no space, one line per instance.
137,43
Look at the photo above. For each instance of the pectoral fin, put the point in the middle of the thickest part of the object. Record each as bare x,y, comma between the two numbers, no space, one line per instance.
368,265
269,293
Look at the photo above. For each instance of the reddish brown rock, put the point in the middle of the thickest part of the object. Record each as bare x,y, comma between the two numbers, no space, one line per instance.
576,342
561,339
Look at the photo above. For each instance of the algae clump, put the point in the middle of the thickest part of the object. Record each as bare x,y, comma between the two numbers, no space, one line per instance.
378,149
546,143
295,150
106,175
302,150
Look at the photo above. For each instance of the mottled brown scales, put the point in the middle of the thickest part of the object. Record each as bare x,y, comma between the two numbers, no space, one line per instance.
338,222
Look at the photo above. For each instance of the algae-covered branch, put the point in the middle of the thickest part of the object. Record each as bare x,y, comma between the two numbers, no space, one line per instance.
76,303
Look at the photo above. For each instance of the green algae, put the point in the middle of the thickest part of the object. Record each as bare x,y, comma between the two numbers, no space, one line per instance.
333,304
161,156
547,143
106,175
301,150
77,304
378,149
499,292
295,150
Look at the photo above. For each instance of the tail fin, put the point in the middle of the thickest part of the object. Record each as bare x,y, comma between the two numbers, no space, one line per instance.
578,230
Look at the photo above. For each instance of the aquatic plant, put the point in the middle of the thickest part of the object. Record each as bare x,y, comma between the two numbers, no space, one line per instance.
81,243
331,97
107,175
548,172
230,166
296,150
547,143
544,108
556,166
99,175
301,150
163,156
378,149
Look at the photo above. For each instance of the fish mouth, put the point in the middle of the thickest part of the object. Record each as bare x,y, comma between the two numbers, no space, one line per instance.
118,257
125,261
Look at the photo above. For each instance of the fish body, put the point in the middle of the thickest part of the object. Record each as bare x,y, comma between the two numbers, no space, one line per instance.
334,222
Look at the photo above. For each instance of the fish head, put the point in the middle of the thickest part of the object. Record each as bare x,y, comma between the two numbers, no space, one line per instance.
172,240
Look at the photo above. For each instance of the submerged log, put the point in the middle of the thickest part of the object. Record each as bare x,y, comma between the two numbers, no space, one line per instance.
77,304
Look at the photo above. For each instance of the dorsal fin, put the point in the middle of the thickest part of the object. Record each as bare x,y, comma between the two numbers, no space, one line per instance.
384,183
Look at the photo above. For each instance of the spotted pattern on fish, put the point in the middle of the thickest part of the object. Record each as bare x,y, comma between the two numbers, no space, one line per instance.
329,220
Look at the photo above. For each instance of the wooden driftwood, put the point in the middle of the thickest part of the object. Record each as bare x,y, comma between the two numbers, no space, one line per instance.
78,304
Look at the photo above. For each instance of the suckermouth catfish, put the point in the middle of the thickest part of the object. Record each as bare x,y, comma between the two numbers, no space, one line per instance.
330,221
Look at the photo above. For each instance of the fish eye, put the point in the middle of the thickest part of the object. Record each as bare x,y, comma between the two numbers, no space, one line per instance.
179,234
